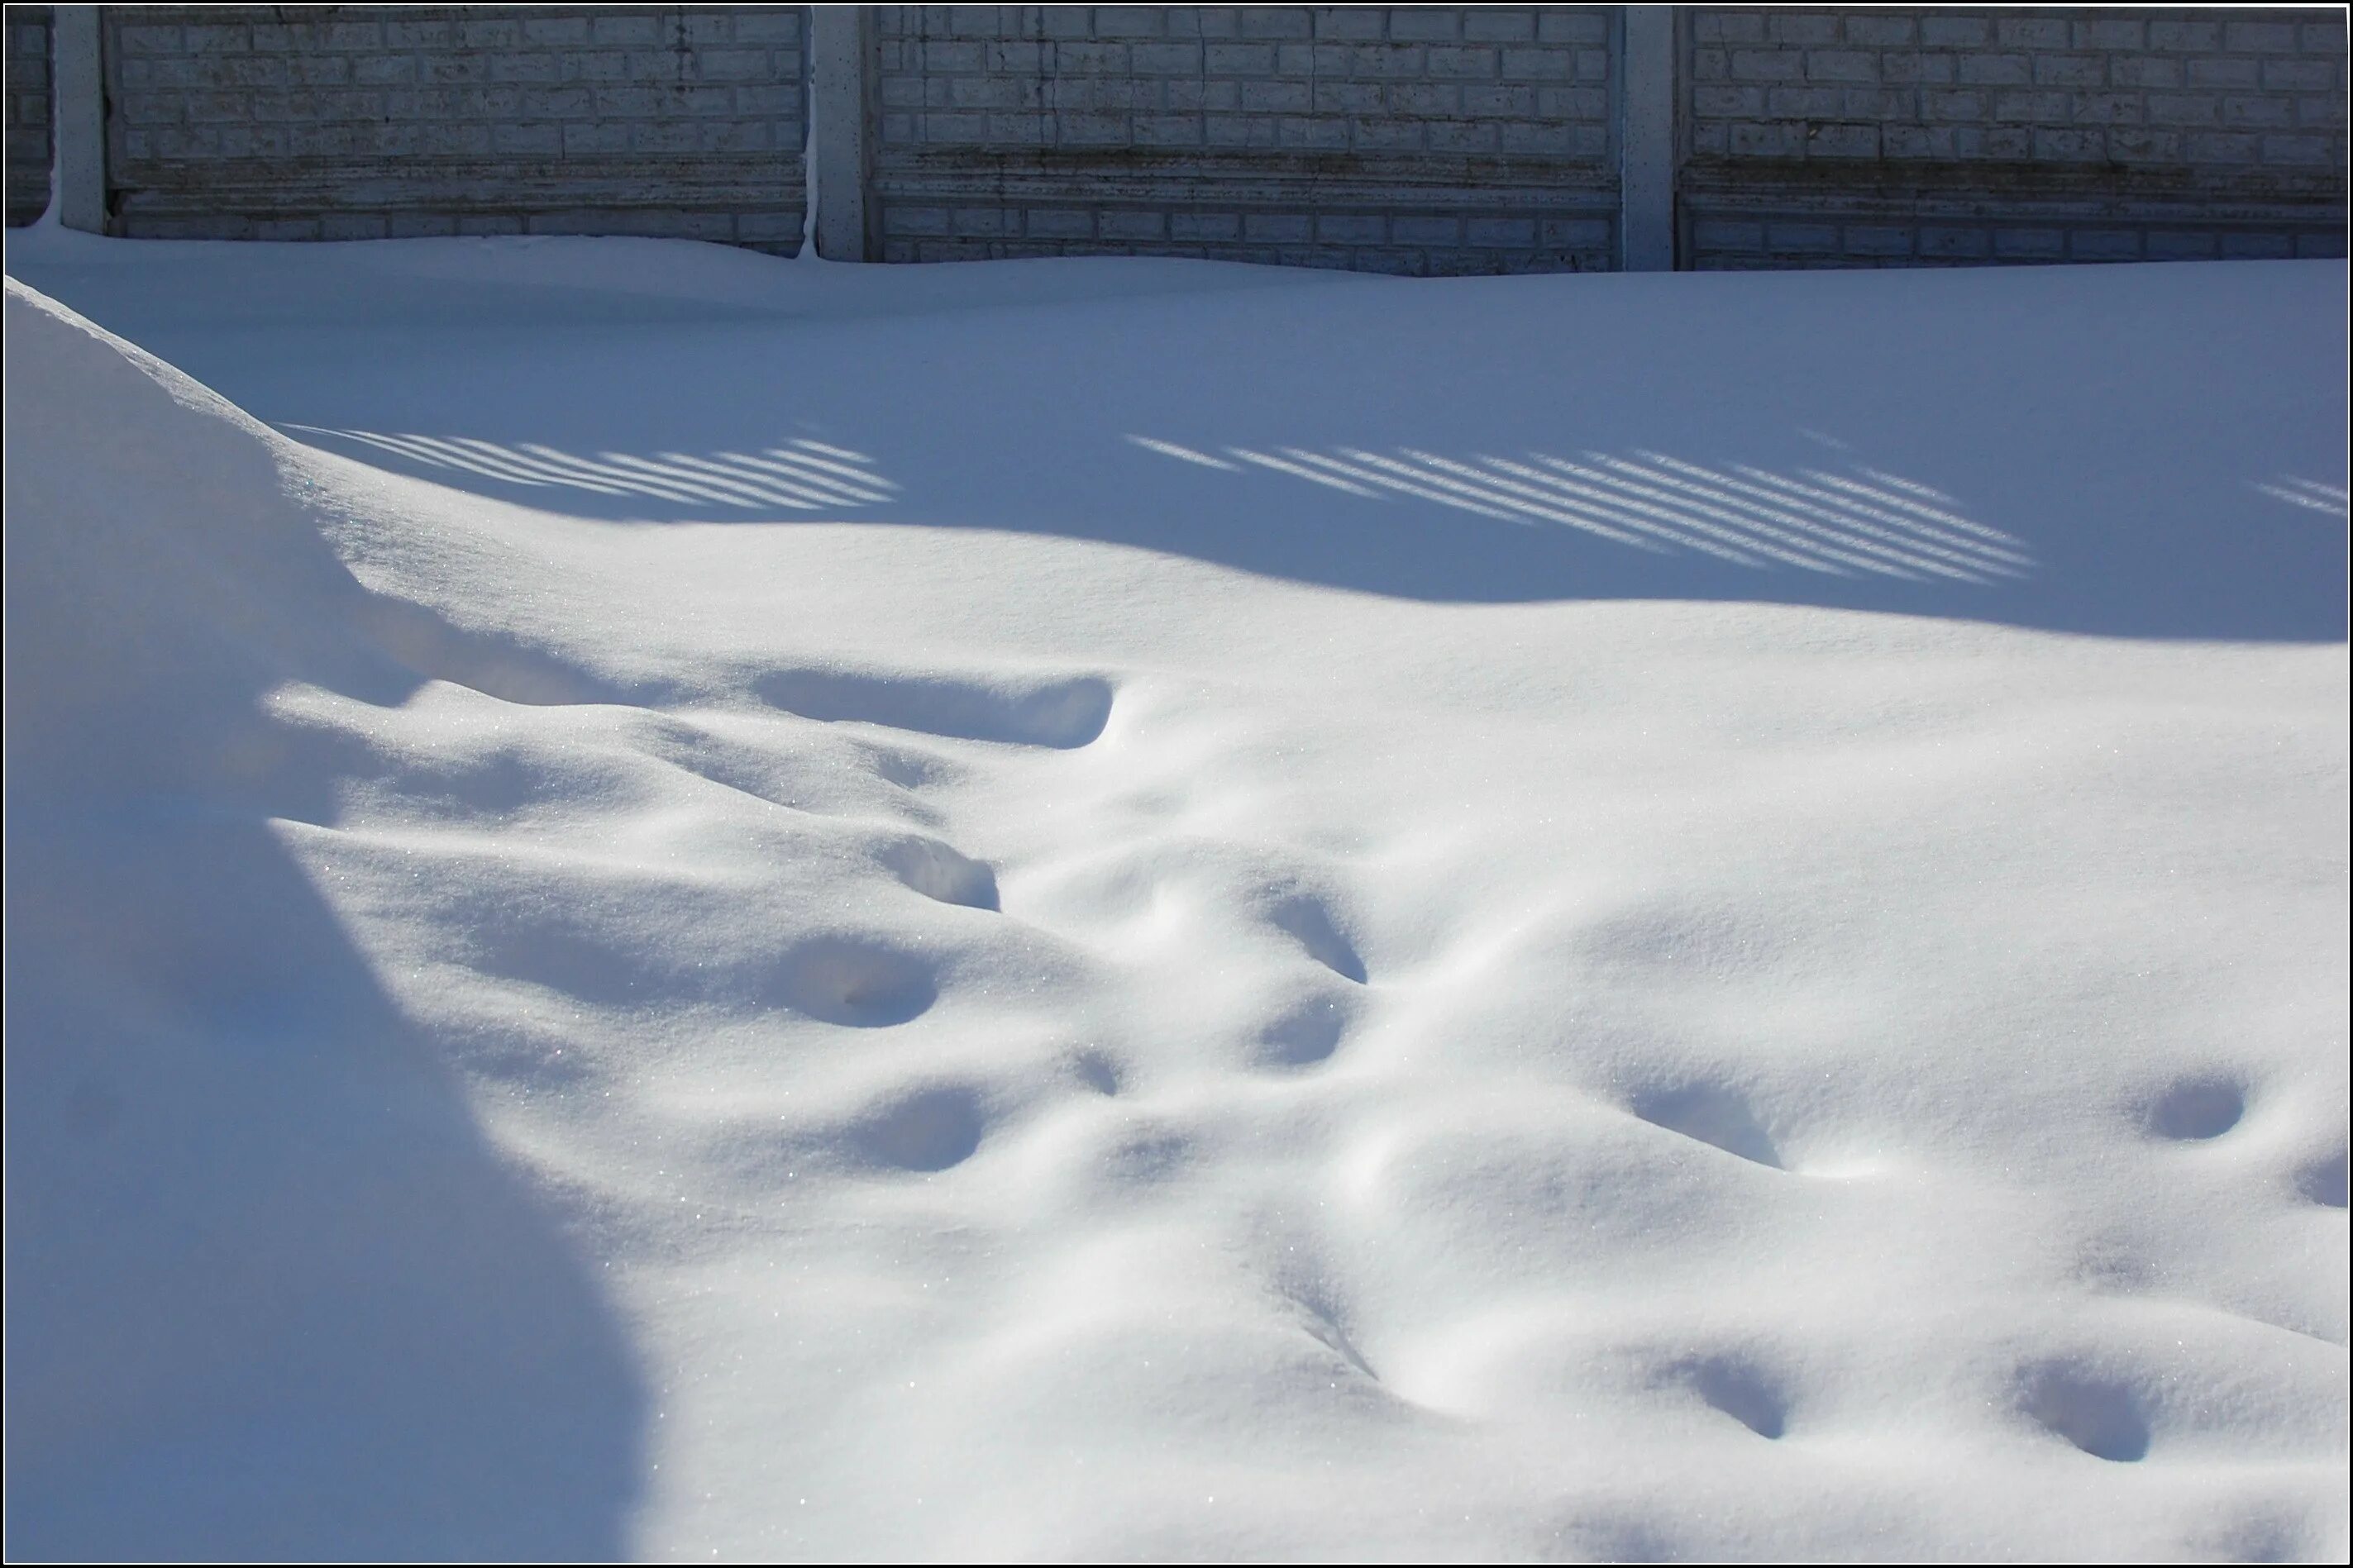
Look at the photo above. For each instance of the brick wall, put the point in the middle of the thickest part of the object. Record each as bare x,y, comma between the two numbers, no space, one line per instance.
348,122
1438,139
28,119
1845,137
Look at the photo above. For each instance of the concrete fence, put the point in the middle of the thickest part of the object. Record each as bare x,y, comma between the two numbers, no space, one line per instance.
1402,139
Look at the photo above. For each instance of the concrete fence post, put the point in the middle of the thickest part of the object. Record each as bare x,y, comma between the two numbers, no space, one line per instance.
841,92
1646,141
80,110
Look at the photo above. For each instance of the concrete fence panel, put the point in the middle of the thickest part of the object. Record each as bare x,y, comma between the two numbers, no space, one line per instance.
347,122
1411,140
1844,136
31,104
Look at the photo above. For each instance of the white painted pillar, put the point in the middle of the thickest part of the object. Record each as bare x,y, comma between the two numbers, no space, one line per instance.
841,53
79,105
1646,141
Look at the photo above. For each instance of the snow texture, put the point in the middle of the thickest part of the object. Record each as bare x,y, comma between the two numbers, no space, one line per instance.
663,904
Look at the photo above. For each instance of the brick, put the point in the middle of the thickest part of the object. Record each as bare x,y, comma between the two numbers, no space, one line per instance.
2299,76
1497,26
2257,246
1128,22
1462,137
2184,109
1873,239
1800,239
1754,140
1940,241
2056,145
1955,32
2029,244
1333,229
1426,230
2144,71
2252,38
2258,113
1767,65
1427,99
1489,234
1464,62
2070,71
1433,24
1237,59
2302,150
1941,105
1275,229
1353,24
1582,26
2128,145
2228,146
1385,136
1393,61
1205,226
1996,70
2174,247
1710,65
2224,70
1878,103
1878,30
2110,33
1165,59
1498,102
1239,130
1935,70
2042,108
778,26
2106,108
1277,96
2325,37
2185,38
1842,141
1802,28
2321,246
2104,244
1167,130
2014,32
1745,102
1802,102
1274,22
2320,111
1719,235
1841,64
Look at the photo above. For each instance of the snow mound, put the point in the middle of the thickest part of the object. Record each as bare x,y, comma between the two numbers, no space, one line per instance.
536,1032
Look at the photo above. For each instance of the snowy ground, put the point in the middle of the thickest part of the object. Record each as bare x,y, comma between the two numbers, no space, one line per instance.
673,905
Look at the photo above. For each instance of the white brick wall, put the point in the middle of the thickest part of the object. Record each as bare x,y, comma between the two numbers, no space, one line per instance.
26,37
280,122
1839,136
1408,139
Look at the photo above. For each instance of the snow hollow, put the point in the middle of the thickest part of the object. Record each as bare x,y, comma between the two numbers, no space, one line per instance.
663,904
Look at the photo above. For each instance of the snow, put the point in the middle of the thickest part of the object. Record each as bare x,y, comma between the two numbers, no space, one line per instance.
673,905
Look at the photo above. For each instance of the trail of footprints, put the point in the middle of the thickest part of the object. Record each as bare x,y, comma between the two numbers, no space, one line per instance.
929,1129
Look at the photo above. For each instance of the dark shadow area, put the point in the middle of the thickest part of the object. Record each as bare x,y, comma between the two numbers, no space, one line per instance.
271,1294
2135,450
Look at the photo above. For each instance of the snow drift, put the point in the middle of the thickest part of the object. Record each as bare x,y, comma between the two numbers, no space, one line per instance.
542,1022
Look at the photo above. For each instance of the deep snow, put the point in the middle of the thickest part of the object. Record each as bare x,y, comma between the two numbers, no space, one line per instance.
713,908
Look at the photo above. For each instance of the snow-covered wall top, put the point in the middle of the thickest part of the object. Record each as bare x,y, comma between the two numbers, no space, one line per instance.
1852,136
27,34
347,122
1424,139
